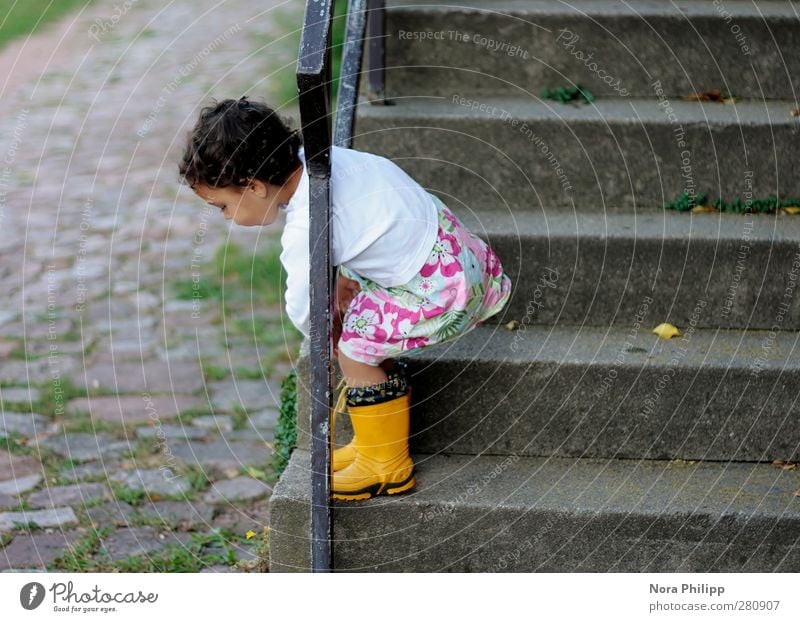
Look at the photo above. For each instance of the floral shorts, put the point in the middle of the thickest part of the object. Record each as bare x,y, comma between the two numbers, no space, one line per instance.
460,285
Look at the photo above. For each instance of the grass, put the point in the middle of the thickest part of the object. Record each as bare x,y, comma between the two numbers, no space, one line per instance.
49,400
238,275
197,477
203,550
22,17
284,79
127,495
286,429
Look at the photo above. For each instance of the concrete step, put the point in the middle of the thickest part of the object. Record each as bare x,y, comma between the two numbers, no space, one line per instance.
611,47
525,154
602,393
609,393
496,514
715,270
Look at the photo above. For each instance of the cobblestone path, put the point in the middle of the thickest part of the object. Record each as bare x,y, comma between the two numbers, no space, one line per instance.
138,410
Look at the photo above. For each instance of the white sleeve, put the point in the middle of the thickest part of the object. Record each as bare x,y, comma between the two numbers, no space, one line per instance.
294,258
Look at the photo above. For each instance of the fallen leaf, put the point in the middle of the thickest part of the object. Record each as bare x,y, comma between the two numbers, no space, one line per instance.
250,534
712,95
789,467
667,331
703,209
795,112
512,325
797,493
792,209
777,462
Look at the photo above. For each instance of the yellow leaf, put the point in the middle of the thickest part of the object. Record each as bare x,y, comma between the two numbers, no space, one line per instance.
512,325
792,209
250,534
666,331
703,209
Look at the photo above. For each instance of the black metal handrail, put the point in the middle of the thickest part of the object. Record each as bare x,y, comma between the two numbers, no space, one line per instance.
313,81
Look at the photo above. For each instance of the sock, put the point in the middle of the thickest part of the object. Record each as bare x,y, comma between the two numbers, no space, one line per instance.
396,385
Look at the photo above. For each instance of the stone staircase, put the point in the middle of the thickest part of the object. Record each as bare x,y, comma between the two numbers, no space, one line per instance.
580,441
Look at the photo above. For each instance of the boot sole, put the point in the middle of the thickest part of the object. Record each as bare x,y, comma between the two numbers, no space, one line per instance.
388,488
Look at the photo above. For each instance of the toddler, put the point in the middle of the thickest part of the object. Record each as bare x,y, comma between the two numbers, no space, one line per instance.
410,274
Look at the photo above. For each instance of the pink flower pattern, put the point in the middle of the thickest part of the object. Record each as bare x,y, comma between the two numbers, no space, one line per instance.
440,303
443,256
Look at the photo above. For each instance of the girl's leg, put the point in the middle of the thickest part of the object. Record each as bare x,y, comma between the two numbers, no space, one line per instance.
358,374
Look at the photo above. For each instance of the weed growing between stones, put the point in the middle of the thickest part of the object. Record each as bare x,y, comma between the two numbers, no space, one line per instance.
685,203
566,95
286,429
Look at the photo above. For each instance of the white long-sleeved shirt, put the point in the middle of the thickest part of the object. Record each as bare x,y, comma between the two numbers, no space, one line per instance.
384,226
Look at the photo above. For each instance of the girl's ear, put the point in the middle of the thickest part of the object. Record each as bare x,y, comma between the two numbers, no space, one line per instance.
259,187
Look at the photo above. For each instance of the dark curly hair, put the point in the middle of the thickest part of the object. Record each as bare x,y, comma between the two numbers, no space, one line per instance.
235,141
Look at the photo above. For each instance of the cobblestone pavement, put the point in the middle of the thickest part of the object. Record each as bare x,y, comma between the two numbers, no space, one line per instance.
136,423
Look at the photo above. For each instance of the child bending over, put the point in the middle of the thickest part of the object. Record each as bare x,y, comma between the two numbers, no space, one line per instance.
410,274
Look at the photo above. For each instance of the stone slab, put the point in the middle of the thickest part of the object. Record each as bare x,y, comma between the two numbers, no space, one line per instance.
73,494
55,517
134,409
241,488
37,550
153,481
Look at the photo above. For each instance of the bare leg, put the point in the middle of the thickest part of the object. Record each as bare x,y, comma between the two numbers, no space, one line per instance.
358,374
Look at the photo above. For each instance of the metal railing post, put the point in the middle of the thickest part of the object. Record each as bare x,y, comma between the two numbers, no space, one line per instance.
376,59
313,81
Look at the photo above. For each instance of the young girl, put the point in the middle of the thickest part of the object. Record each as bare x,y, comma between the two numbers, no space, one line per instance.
410,273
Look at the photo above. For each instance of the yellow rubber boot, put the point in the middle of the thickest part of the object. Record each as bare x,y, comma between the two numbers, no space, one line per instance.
343,456
382,464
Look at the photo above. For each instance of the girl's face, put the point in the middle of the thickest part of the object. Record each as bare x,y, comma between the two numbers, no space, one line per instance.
258,204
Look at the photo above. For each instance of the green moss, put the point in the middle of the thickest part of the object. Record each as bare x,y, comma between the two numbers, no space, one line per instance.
568,94
769,205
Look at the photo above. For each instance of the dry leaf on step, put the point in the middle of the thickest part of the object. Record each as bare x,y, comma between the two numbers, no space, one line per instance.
703,209
792,209
667,331
711,95
512,325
